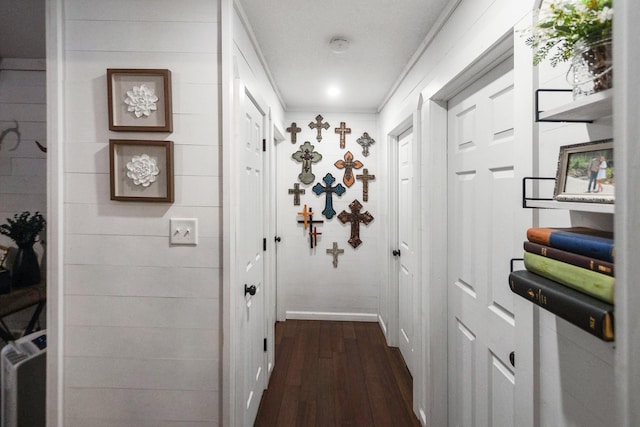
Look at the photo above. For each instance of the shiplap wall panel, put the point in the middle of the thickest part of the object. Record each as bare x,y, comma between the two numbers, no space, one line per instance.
145,312
142,317
133,219
150,281
148,373
124,10
113,405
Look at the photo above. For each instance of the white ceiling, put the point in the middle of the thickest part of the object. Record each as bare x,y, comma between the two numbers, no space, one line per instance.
294,36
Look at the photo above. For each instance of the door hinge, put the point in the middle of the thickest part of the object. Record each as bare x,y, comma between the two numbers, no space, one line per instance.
264,145
264,244
265,344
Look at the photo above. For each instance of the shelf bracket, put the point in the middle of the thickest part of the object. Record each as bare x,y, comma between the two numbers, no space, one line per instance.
537,101
524,190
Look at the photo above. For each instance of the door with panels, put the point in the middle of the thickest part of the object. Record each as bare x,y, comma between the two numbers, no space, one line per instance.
407,252
250,364
483,197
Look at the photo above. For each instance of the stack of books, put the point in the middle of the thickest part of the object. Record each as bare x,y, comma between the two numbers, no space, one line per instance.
570,272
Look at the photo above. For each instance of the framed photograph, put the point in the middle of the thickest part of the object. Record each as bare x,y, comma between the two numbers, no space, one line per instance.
141,171
139,100
586,173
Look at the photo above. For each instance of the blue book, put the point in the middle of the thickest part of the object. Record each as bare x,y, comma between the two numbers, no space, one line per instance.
580,240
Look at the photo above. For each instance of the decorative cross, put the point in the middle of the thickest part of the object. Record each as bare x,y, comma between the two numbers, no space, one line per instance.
308,217
365,178
294,129
313,237
328,190
342,130
365,141
319,126
307,156
348,165
355,218
335,252
296,191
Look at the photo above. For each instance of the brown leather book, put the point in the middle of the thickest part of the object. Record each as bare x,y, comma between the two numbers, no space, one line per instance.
578,260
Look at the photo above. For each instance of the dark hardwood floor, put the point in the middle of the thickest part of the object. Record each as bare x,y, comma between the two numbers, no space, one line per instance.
336,374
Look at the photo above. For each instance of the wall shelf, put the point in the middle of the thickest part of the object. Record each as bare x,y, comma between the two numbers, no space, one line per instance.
574,206
582,110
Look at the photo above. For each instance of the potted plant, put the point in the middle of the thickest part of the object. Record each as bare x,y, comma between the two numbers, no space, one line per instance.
578,31
24,229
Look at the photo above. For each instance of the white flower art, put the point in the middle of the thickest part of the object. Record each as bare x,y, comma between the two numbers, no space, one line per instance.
141,101
142,170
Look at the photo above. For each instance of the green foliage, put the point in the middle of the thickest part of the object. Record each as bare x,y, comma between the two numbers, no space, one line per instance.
566,23
23,228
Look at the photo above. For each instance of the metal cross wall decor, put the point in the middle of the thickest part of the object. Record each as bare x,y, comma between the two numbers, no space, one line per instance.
335,252
297,191
319,126
348,164
365,141
294,129
342,130
313,237
328,179
308,218
307,156
355,218
365,178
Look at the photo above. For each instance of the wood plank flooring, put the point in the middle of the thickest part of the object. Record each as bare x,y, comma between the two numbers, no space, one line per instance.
336,374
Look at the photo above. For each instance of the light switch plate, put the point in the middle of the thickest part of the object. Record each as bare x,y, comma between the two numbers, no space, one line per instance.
183,231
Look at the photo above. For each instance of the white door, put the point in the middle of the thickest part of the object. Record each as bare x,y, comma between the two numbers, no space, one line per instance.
483,205
250,373
406,256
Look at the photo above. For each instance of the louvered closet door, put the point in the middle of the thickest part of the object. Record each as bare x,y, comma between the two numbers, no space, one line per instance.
481,233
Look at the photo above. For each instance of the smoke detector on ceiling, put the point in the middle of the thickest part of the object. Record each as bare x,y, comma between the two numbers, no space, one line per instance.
339,45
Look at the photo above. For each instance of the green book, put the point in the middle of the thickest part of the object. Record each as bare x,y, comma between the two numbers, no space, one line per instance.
597,285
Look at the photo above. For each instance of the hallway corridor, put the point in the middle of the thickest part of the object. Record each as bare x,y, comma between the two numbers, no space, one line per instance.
330,373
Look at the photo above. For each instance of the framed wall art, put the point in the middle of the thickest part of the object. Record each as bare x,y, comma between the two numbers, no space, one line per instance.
586,173
139,100
141,170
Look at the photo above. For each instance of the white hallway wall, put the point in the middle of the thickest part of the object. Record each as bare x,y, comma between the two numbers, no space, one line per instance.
309,287
141,321
569,362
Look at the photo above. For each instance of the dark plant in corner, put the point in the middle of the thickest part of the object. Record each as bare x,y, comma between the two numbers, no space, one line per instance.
24,228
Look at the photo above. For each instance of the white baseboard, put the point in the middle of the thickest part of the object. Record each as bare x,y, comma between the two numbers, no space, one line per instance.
318,315
383,326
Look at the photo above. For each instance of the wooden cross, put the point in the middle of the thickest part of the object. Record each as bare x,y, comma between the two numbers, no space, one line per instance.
348,164
365,178
296,191
355,218
328,190
313,237
294,129
365,141
335,252
319,126
307,217
307,156
342,130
